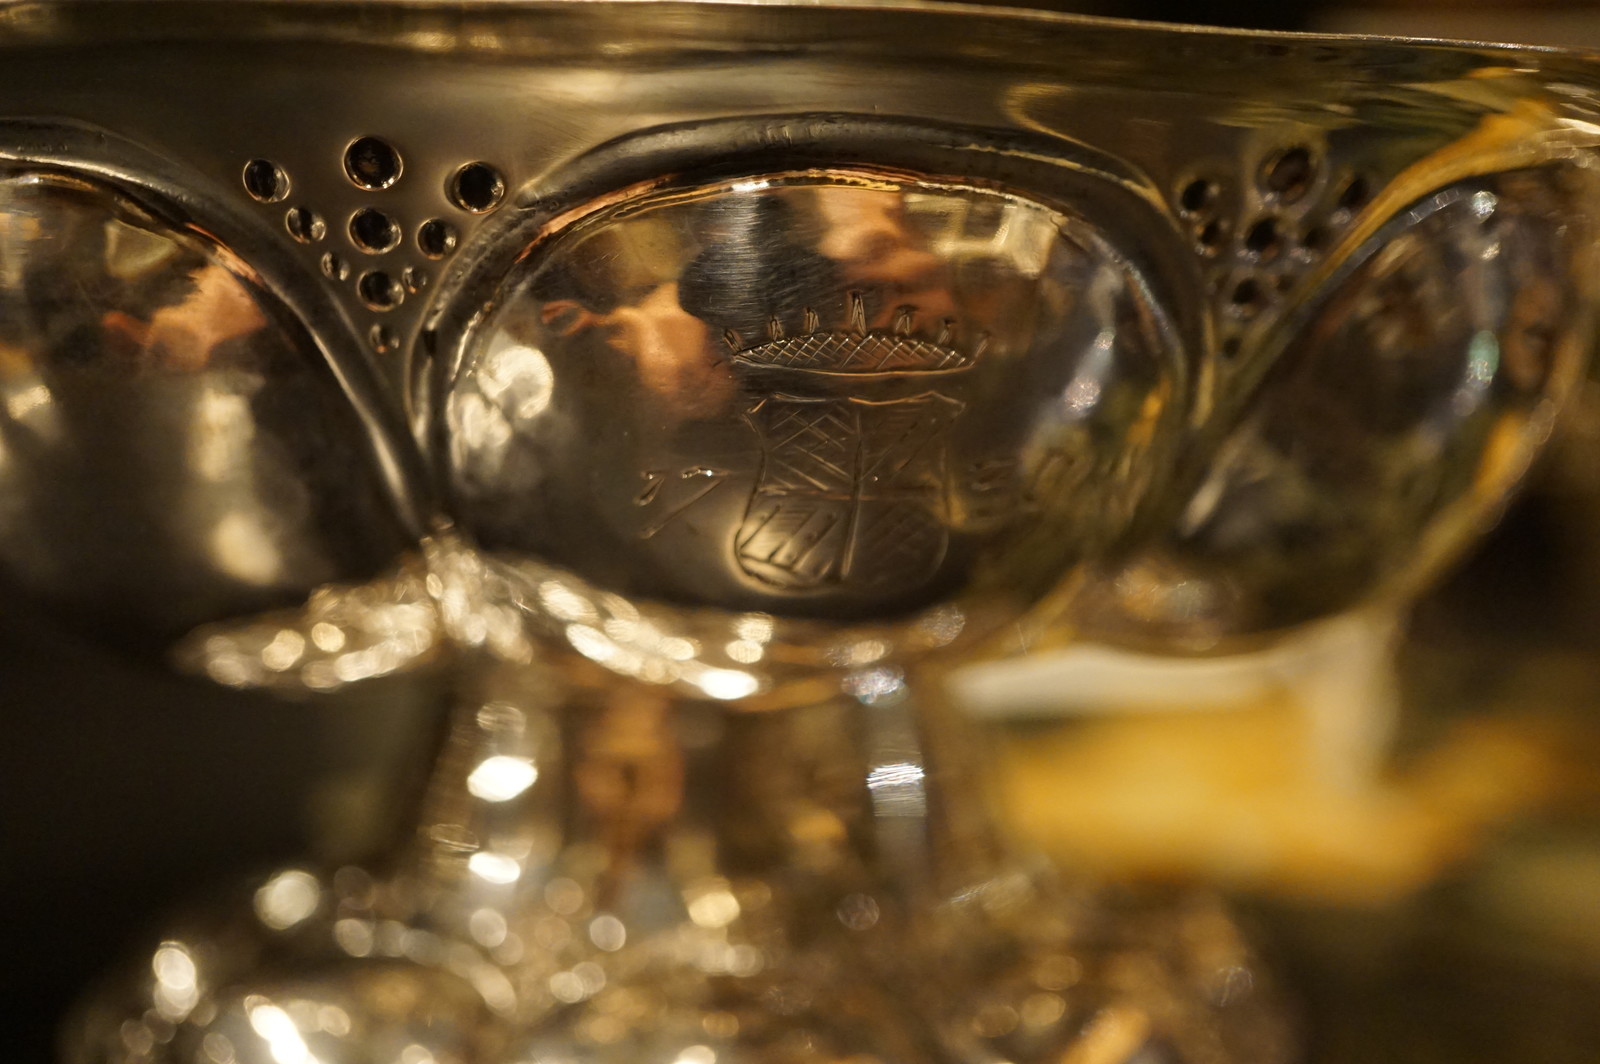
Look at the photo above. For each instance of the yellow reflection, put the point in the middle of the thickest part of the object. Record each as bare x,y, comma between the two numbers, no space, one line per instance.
607,932
133,254
177,981
220,436
327,637
501,778
565,604
696,1055
242,548
754,627
876,685
726,684
287,898
218,1048
713,909
859,652
494,868
564,896
677,648
1043,1009
1112,1037
516,378
334,1020
34,407
583,981
488,927
745,651
354,936
285,650
940,626
25,401
280,1033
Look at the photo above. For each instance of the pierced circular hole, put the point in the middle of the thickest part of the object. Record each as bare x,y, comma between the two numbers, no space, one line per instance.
437,238
1230,347
305,225
372,163
1197,195
477,187
1315,239
1248,297
373,231
1289,174
1210,237
382,339
379,291
1264,239
414,279
1355,195
335,268
265,180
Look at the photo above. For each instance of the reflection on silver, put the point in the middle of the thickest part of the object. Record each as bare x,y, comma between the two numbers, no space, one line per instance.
1422,384
846,396
730,414
287,898
154,409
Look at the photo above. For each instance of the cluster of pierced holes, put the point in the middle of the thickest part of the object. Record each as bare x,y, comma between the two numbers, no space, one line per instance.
1298,220
372,164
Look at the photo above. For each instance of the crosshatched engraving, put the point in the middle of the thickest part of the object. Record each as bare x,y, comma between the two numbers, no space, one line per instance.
851,492
847,353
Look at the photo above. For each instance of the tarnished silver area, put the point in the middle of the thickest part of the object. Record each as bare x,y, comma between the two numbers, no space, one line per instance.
173,447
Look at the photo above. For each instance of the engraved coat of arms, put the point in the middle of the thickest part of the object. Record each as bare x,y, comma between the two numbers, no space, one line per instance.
852,491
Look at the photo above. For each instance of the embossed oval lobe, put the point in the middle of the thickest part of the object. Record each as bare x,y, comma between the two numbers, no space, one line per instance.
1397,418
827,393
173,446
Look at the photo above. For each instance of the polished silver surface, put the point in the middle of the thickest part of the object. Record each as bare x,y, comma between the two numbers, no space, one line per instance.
701,381
845,396
1399,415
175,447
